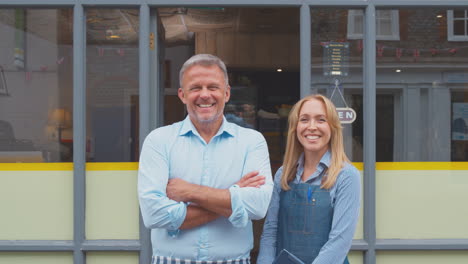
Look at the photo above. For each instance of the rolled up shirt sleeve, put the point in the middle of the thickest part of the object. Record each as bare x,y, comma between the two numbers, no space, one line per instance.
251,203
158,211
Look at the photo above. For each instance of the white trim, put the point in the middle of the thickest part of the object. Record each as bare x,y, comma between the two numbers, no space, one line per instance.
352,14
450,35
394,19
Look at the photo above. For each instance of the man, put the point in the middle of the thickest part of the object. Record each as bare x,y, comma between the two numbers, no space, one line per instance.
190,185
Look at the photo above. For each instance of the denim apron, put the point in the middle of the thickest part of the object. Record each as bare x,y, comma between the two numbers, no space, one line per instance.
305,220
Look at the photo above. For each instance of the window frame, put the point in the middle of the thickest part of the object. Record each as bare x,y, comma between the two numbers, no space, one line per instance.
450,20
394,21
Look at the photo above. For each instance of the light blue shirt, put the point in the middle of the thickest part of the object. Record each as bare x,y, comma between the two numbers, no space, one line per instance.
178,151
345,195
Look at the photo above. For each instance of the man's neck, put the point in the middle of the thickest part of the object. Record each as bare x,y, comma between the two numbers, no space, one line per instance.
208,130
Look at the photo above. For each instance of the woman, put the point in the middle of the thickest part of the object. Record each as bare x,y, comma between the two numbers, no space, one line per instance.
315,202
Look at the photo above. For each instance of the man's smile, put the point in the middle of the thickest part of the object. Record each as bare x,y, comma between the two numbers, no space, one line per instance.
205,105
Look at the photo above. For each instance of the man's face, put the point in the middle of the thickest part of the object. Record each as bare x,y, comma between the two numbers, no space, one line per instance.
204,91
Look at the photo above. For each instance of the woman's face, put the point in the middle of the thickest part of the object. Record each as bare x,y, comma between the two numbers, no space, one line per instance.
313,130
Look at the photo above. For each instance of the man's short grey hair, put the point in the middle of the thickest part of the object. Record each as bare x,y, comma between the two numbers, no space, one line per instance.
203,60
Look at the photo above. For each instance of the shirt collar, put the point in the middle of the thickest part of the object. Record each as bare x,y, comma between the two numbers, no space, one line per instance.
323,164
187,126
326,159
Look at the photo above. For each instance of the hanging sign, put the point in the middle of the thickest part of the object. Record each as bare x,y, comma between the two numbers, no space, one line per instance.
347,115
336,59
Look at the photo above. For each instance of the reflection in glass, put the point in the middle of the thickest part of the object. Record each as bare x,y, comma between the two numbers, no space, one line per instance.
459,13
337,67
459,27
36,85
422,83
386,24
112,85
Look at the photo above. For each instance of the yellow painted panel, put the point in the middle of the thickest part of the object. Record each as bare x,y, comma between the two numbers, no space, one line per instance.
422,257
36,205
422,204
102,166
355,257
63,166
421,166
359,165
112,258
36,258
112,210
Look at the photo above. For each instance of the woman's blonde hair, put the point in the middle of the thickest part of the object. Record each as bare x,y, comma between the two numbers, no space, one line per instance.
294,147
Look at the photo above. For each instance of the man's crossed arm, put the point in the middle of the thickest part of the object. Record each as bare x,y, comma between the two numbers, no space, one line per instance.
207,203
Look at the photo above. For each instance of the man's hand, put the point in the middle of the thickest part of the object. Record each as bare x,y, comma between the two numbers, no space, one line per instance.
251,179
183,191
179,190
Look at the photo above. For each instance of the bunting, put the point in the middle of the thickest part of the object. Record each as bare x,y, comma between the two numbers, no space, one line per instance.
29,72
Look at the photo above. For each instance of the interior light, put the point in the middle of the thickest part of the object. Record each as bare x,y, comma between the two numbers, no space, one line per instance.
439,16
397,70
279,70
110,34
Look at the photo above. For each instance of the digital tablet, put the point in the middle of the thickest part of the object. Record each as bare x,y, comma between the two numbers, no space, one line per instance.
286,257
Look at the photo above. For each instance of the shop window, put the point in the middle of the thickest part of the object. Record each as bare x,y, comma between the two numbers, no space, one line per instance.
457,25
112,103
337,70
36,85
425,85
387,24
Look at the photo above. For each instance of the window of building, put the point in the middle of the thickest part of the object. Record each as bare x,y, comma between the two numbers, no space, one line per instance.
339,79
422,92
36,64
387,24
457,25
112,85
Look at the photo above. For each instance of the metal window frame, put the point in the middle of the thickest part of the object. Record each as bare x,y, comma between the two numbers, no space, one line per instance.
394,26
150,99
450,24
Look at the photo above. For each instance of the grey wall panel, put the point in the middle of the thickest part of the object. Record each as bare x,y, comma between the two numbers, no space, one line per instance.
305,54
79,131
369,107
145,101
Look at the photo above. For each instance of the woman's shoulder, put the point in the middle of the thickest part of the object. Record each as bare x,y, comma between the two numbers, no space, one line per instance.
349,172
347,166
279,172
277,177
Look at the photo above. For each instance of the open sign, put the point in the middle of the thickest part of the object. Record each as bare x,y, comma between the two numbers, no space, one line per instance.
346,115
